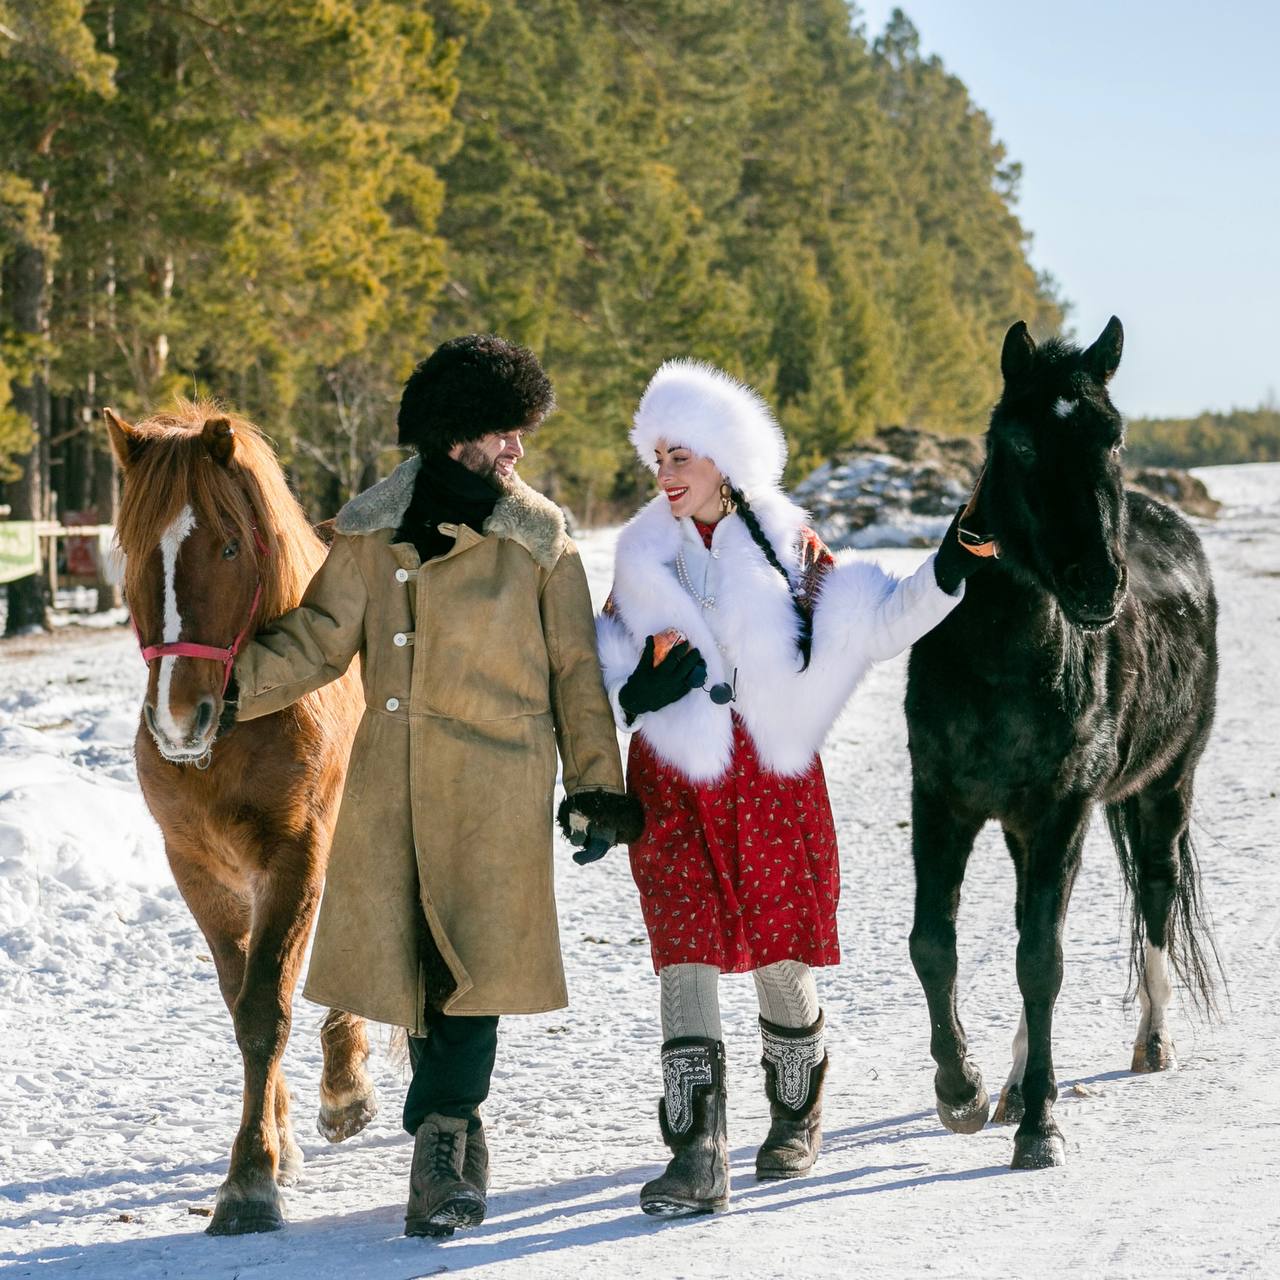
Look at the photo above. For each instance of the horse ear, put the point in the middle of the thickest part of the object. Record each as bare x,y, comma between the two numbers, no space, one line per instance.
126,441
220,439
1018,353
1103,358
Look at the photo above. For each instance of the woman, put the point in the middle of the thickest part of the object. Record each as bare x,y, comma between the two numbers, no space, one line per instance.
737,868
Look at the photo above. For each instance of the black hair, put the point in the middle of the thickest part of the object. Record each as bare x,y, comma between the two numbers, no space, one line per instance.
471,386
803,614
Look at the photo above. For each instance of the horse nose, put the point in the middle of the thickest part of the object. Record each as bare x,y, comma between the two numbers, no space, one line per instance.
204,717
1094,588
149,716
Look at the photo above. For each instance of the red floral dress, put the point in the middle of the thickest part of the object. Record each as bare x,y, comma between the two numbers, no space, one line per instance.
738,873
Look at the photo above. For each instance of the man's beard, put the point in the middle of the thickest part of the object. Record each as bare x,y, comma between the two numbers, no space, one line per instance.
474,458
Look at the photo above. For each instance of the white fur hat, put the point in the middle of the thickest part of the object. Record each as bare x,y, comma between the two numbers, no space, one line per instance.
691,403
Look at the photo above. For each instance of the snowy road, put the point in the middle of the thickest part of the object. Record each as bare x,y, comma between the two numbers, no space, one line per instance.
119,1077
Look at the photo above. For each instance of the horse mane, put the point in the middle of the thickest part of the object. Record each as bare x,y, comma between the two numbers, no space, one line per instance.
249,496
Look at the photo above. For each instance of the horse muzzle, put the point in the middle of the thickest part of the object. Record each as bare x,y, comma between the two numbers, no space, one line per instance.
193,747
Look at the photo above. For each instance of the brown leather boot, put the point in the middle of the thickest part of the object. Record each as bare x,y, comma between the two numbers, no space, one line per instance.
440,1198
475,1163
692,1117
795,1066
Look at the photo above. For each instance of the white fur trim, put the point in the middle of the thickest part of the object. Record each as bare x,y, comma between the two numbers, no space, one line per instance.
691,403
863,614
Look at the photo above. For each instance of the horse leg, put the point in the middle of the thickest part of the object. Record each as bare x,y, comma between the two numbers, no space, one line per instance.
1161,819
1052,863
348,1100
249,1200
940,844
1010,1108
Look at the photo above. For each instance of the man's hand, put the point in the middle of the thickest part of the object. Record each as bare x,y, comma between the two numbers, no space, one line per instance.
650,687
594,821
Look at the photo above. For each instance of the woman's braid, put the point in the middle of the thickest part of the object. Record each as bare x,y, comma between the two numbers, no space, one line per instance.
758,537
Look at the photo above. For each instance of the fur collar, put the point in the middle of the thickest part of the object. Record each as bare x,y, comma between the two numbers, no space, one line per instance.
521,515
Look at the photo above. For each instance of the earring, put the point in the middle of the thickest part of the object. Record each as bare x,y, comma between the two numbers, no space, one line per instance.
727,504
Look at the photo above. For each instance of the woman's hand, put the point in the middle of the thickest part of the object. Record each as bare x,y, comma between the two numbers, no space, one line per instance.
953,563
650,688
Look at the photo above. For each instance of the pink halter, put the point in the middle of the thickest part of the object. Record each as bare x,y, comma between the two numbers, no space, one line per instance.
214,653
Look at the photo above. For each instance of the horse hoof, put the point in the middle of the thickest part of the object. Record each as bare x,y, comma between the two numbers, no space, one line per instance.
968,1117
336,1124
1038,1151
1010,1108
291,1162
244,1217
1155,1053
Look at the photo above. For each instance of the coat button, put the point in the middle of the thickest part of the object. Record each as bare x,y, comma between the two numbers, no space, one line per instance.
715,554
402,575
399,639
393,704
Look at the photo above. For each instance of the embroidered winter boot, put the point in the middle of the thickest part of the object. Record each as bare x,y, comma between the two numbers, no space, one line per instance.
692,1117
795,1065
440,1198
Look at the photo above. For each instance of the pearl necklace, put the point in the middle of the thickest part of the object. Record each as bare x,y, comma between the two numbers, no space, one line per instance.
682,573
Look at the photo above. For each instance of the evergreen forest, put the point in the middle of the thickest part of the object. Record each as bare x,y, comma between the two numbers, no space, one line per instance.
286,203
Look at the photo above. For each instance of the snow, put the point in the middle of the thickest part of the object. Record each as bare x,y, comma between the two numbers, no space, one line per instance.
120,1086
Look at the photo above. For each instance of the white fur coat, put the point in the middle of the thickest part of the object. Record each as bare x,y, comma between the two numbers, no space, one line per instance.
863,614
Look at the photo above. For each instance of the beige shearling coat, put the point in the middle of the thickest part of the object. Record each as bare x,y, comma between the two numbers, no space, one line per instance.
476,666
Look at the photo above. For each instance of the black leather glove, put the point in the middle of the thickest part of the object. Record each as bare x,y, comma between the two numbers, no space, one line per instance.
953,564
594,821
651,688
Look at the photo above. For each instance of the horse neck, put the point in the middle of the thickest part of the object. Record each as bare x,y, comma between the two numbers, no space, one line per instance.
1009,623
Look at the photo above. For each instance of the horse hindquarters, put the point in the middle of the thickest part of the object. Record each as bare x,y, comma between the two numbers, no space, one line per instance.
941,842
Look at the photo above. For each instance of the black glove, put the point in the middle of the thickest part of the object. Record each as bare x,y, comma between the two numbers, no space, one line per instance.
651,688
593,821
953,564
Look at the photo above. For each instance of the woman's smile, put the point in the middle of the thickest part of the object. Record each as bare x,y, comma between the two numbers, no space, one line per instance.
674,495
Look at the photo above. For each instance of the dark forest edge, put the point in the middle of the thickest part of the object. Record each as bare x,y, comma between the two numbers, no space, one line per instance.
1209,439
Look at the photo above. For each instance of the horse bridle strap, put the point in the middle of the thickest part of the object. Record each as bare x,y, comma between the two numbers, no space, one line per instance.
978,544
225,654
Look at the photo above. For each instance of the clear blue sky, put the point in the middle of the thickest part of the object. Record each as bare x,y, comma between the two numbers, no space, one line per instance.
1149,136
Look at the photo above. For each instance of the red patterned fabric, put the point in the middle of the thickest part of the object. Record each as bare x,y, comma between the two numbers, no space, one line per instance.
738,873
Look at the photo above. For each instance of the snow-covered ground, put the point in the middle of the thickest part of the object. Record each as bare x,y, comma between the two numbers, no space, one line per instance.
119,1076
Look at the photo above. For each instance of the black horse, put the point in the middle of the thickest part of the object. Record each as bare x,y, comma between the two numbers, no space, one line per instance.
1080,667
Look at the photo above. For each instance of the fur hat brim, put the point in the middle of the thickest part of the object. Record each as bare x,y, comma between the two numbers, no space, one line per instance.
694,404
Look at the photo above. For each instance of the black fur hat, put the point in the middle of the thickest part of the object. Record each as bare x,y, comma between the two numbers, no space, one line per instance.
468,387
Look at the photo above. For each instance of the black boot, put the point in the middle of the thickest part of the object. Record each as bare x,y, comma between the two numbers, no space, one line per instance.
692,1117
795,1066
440,1197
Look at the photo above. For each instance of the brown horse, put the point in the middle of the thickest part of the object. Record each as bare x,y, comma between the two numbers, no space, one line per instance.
216,547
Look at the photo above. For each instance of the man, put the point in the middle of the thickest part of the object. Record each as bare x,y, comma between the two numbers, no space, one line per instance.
458,587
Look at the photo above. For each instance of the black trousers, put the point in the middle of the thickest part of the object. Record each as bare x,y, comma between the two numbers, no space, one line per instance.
452,1066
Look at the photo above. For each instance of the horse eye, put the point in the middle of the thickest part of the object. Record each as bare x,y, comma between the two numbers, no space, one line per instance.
231,550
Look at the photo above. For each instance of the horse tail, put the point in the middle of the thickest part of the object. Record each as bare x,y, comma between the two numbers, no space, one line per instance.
1189,938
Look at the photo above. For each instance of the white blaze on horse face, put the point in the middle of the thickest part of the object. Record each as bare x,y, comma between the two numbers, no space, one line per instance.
170,544
1064,407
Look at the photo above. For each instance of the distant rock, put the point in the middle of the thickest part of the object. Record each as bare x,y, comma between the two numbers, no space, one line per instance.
901,487
1179,488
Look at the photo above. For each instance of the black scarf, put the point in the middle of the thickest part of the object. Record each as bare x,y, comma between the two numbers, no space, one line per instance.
445,492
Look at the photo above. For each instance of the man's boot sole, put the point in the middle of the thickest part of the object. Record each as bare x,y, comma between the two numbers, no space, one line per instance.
459,1211
665,1207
